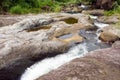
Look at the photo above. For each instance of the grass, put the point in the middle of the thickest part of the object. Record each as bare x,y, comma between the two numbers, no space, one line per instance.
115,10
112,12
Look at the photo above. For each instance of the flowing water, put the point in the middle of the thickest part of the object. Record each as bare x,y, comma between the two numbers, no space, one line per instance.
90,43
50,64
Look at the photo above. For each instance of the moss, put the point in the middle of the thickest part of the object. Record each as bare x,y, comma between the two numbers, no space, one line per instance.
71,20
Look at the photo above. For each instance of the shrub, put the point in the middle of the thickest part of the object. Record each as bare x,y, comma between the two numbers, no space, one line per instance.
18,10
57,8
114,11
35,10
118,1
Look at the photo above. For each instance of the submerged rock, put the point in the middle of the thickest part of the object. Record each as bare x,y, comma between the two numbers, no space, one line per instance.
76,38
103,64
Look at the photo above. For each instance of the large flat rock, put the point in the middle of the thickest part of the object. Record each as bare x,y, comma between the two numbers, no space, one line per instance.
103,64
31,38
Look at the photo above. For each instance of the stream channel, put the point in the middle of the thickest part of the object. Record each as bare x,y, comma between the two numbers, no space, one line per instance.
91,42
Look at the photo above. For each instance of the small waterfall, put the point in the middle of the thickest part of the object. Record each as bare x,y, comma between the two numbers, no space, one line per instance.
49,64
100,25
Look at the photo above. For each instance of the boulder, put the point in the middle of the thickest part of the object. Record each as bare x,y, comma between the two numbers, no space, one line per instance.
72,8
7,19
104,4
108,37
114,29
110,19
103,64
22,40
16,42
95,12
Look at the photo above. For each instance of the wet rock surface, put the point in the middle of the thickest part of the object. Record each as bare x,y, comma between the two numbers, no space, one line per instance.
100,64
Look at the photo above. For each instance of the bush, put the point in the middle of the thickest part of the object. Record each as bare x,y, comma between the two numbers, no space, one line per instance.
36,6
118,1
18,10
34,10
114,11
57,8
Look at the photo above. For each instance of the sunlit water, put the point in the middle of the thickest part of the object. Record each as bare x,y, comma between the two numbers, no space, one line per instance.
50,64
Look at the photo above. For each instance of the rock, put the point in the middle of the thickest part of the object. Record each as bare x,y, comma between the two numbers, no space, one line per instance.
17,42
108,37
76,38
82,23
109,19
116,45
72,8
95,12
103,64
104,4
76,10
32,23
11,19
114,29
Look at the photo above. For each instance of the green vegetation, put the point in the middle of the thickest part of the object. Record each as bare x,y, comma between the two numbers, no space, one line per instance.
33,6
37,6
115,10
18,10
117,25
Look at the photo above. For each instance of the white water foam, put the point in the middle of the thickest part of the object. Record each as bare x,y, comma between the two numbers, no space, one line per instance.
49,64
83,6
100,25
93,17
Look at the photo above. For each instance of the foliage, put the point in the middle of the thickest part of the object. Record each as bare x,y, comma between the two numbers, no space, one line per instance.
18,10
36,6
118,1
115,10
57,8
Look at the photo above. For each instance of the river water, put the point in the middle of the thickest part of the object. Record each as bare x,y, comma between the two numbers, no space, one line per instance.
90,43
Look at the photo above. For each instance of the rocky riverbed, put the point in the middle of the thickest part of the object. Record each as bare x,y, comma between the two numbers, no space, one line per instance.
52,38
